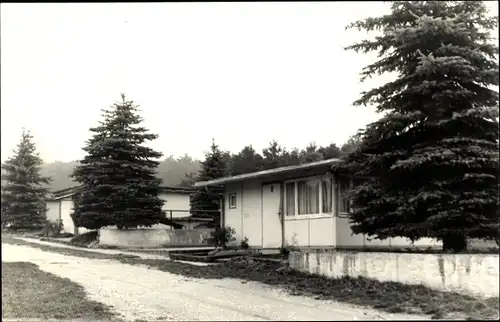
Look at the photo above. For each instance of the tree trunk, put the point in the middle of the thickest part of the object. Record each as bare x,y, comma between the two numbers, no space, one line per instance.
455,243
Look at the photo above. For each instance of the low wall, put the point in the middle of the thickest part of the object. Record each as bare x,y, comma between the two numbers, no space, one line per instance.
466,273
154,237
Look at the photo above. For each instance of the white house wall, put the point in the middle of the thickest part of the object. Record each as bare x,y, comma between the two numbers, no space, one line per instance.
52,211
175,201
66,210
297,232
233,217
271,215
310,232
424,242
63,208
346,239
321,231
252,213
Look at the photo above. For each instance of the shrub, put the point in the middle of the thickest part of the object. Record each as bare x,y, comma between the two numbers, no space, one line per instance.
85,239
244,243
288,247
222,236
52,229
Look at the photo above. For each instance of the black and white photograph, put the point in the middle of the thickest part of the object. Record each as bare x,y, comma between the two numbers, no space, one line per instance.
250,161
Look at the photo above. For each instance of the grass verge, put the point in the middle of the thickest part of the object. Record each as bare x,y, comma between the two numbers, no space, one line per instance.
391,297
30,293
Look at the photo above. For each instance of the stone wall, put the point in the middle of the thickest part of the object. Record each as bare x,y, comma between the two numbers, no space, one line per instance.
466,273
154,237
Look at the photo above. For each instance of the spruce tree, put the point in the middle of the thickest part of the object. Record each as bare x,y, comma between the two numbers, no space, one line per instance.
431,162
24,189
118,174
205,202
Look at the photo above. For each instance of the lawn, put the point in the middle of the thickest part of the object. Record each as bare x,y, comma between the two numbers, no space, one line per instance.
386,296
30,293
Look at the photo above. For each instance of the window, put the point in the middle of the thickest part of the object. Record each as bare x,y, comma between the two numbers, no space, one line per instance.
345,203
311,196
290,199
232,201
308,197
326,195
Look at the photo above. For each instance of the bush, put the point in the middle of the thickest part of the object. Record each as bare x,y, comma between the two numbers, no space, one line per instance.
288,247
244,243
222,236
52,229
85,239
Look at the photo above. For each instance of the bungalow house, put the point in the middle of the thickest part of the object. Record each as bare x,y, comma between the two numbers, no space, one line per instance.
300,205
176,207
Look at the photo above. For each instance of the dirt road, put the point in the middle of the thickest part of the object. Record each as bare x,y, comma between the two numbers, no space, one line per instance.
138,292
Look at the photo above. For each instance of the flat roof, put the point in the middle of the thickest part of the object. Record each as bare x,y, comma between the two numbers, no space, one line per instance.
266,173
191,218
68,192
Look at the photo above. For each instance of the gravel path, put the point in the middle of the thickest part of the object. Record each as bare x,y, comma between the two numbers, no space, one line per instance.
94,250
138,292
117,251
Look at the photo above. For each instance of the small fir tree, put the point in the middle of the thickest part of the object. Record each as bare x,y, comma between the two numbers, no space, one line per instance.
118,174
24,189
206,201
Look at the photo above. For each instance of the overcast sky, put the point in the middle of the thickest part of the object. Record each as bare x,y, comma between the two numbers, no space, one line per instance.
242,73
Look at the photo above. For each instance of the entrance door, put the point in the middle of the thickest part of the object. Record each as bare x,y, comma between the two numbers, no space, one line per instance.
271,231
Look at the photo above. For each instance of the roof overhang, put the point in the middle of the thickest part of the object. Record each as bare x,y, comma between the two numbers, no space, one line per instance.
179,190
283,172
192,219
69,192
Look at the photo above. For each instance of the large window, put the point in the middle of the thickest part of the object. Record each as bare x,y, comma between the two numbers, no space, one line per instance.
308,197
312,196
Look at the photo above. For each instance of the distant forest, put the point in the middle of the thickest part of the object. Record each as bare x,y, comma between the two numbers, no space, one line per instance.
182,171
171,170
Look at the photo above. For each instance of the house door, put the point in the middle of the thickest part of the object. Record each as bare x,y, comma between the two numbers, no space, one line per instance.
271,217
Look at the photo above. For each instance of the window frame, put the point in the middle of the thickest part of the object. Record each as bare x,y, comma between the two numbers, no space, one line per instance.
230,195
350,183
321,214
